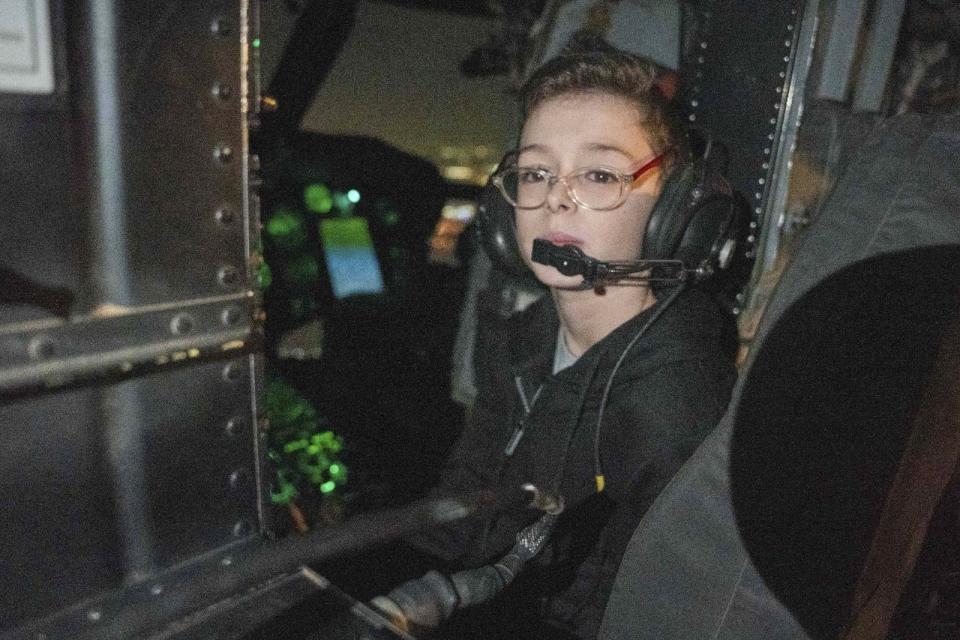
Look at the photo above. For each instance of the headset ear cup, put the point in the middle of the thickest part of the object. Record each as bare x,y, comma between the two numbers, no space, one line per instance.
496,230
668,219
693,219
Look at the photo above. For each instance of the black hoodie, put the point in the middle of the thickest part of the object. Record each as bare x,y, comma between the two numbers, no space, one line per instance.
668,393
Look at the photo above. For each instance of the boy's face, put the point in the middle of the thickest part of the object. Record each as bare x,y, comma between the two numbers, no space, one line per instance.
567,133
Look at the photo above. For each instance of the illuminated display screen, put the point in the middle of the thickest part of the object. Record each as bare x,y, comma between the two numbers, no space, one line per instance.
351,260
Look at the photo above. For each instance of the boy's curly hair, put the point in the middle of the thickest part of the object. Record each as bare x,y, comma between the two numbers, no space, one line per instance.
588,65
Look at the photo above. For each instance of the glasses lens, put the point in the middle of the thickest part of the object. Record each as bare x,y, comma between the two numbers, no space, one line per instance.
597,188
525,188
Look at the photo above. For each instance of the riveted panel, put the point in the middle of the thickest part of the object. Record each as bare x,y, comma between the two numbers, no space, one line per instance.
740,93
129,329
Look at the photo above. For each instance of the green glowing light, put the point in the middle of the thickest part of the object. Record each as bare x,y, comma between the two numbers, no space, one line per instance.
328,486
391,217
256,43
285,495
264,276
317,198
343,204
286,228
353,196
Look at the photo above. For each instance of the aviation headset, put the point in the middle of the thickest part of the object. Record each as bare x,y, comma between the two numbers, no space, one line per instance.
694,220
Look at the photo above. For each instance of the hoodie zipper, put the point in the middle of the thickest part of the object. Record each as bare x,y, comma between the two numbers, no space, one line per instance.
521,423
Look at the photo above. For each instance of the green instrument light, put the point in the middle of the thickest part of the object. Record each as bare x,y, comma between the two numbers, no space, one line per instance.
302,448
343,204
318,198
286,228
256,43
286,493
264,276
353,196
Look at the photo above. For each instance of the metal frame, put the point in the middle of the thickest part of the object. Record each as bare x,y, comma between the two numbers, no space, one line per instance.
151,389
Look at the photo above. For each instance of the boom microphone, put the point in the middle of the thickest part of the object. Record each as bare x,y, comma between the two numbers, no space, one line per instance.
571,261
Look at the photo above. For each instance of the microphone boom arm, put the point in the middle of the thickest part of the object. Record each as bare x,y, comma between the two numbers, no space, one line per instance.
570,261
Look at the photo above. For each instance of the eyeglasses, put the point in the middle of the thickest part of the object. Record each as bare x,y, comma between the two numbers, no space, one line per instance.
595,188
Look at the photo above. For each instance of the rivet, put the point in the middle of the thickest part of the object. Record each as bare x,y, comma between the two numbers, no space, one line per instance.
753,223
40,348
230,316
766,165
242,528
231,372
181,324
761,180
227,561
757,211
776,105
694,103
789,27
221,90
739,297
238,478
234,426
779,89
228,275
700,59
268,104
750,239
219,26
156,589
783,74
94,616
786,58
773,121
770,135
766,151
225,215
223,153
703,45
786,43
692,117
758,195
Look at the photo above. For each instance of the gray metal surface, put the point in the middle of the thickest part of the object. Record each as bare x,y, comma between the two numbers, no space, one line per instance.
121,199
177,138
878,56
115,483
742,78
49,354
842,25
773,209
129,421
